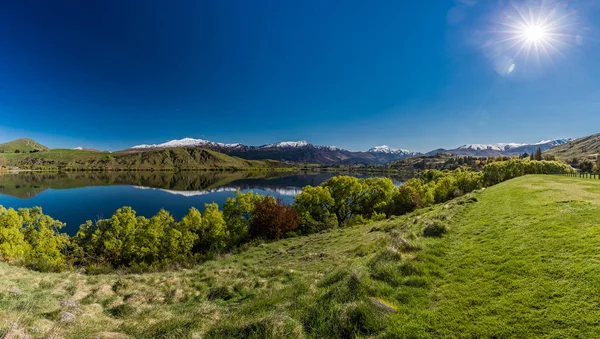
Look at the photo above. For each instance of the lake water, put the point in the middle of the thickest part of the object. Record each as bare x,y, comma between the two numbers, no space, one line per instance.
76,197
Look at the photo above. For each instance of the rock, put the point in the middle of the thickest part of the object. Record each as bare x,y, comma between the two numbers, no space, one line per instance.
15,290
65,317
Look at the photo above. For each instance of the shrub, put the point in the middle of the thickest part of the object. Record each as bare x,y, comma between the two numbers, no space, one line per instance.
237,213
314,207
435,229
272,219
32,238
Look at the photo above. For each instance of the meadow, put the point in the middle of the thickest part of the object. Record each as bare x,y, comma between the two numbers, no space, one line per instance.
519,259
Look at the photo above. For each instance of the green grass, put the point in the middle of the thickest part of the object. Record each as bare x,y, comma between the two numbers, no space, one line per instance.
520,259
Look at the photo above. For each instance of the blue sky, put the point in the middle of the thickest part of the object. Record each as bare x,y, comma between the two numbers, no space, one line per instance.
410,74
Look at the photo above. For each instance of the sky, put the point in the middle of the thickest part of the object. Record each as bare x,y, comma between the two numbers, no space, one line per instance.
417,75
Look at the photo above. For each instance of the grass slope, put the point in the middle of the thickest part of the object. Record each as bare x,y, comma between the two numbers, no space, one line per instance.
582,148
520,259
23,145
174,158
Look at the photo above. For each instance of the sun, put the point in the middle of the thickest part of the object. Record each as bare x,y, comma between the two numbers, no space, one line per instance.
535,34
530,32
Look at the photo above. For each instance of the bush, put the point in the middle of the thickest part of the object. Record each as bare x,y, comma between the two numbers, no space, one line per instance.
237,213
272,219
314,207
30,237
435,229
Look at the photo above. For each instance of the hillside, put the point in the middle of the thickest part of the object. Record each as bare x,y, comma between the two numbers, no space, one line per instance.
174,158
22,146
582,148
511,265
438,161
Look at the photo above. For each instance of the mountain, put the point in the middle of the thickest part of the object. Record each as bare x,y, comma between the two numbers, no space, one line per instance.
586,147
388,150
22,146
498,149
289,151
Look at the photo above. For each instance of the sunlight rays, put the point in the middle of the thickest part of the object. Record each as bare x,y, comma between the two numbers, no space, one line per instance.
531,34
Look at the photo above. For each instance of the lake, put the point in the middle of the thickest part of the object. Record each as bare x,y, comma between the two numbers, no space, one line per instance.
76,197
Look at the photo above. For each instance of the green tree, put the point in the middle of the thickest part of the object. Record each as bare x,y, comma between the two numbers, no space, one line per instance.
237,213
47,245
314,206
346,192
212,233
12,241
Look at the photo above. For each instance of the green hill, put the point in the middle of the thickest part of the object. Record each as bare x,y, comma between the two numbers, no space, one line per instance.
174,158
520,260
22,146
582,148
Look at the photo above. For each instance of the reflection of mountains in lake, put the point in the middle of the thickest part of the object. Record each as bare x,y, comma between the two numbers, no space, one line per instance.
29,184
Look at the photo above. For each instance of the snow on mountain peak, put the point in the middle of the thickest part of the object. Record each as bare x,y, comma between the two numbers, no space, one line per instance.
185,142
501,146
288,144
78,148
388,149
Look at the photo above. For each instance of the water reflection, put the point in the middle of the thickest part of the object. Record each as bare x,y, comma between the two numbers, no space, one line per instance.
76,197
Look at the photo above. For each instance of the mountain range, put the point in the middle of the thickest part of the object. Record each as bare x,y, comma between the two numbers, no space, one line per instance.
291,151
304,152
498,149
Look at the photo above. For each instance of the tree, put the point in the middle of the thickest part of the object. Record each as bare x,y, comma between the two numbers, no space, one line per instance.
12,241
538,154
314,206
212,233
237,213
272,219
345,192
375,197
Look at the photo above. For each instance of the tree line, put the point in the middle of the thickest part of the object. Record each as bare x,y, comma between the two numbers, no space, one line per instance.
126,240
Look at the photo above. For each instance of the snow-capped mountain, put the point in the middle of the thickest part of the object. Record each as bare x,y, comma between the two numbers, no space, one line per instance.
302,143
502,148
185,142
388,150
292,151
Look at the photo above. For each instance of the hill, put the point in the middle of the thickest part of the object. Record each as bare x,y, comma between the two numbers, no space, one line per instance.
22,146
438,161
512,264
174,158
582,148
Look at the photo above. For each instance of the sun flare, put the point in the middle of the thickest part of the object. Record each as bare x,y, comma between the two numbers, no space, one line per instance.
535,33
530,33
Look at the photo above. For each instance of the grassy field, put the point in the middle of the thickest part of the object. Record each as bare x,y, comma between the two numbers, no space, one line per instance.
520,260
